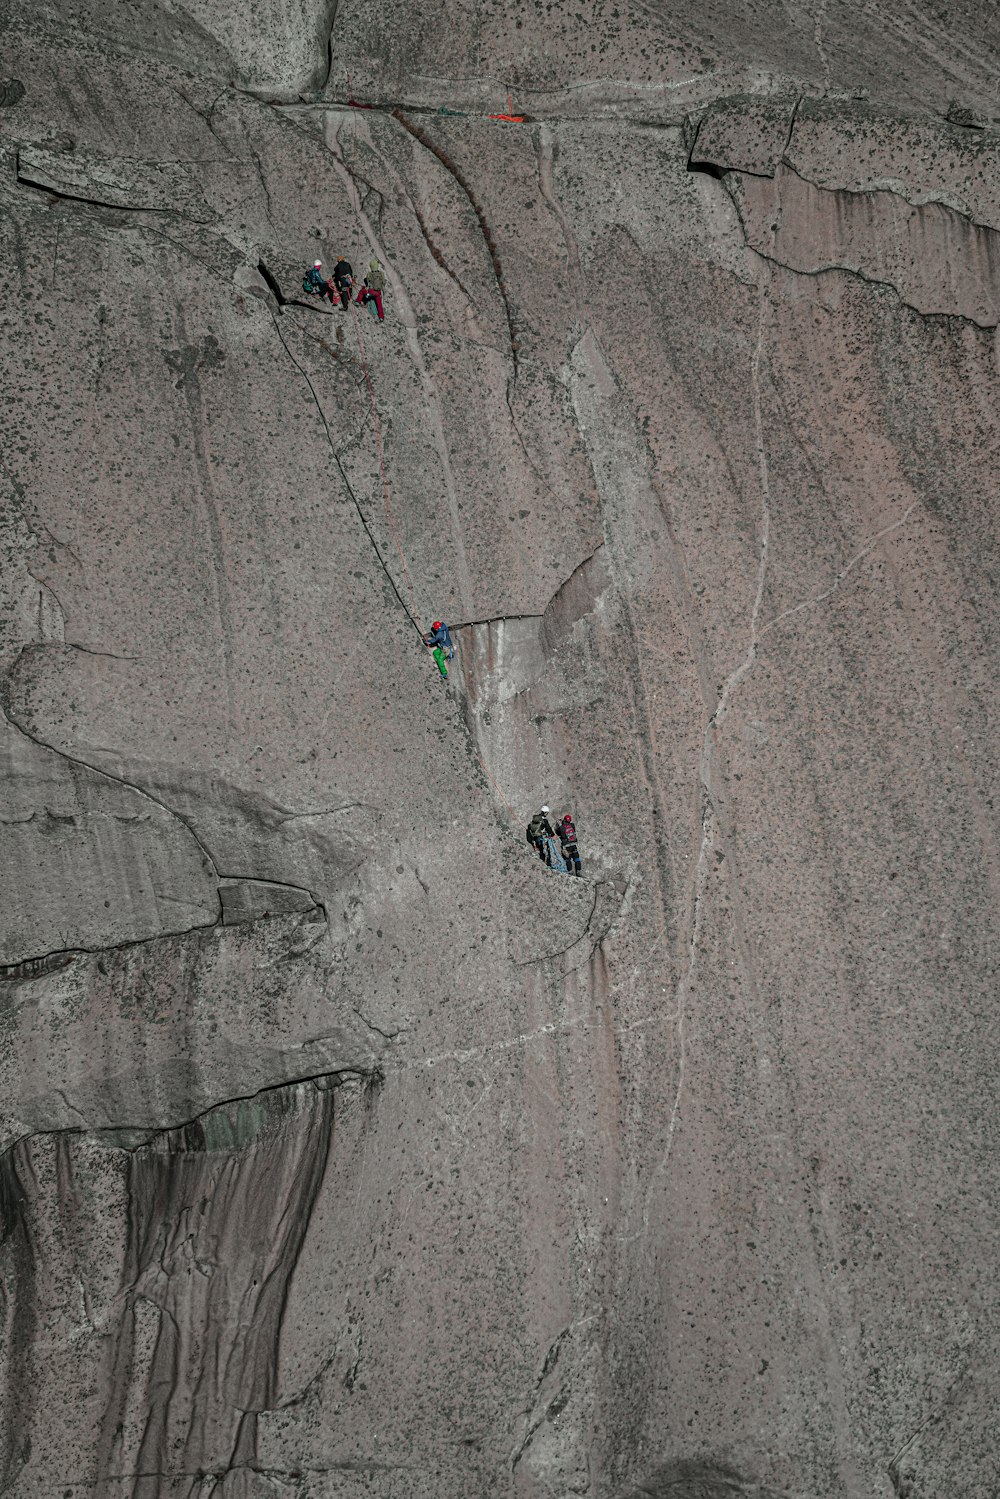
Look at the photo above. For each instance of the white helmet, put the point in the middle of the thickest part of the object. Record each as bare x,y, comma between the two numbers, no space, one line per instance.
546,810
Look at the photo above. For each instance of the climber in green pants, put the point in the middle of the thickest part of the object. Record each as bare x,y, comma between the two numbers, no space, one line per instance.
440,643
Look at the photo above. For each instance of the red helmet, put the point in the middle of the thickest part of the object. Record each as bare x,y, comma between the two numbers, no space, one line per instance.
436,625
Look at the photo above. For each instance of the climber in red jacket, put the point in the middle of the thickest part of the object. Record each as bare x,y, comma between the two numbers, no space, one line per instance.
568,845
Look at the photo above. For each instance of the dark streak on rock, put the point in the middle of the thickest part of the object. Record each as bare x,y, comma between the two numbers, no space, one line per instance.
699,1478
255,1217
838,269
56,195
272,282
552,1356
706,168
37,967
425,140
436,254
33,968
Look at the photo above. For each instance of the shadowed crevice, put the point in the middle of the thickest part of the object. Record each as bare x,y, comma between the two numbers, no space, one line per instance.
707,168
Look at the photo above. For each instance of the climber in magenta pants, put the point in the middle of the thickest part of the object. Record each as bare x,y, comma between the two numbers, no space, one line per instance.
373,288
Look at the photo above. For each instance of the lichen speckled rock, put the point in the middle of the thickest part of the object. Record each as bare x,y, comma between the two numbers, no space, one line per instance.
346,1149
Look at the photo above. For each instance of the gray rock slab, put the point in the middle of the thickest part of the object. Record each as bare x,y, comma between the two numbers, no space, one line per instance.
862,150
287,51
475,1178
153,186
935,259
252,900
152,1034
744,134
88,861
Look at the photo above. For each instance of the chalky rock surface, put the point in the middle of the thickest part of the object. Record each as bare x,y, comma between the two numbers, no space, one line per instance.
347,1150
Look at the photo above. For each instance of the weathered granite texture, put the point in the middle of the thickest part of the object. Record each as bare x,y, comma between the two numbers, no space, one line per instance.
347,1150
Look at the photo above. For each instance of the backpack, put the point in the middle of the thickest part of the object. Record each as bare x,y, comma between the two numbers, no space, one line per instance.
309,288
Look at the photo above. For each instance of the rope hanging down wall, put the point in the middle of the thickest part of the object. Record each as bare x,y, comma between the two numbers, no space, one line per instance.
414,615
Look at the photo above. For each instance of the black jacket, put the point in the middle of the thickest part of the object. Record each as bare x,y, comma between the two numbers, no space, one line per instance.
342,272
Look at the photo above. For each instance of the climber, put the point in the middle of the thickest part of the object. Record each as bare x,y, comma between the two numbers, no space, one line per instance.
373,288
540,834
440,635
343,279
315,284
567,839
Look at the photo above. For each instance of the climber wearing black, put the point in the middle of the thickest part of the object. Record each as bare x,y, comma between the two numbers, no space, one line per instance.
568,846
540,834
343,279
314,282
440,635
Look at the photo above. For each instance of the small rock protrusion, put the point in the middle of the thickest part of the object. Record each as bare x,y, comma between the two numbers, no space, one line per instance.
252,900
965,117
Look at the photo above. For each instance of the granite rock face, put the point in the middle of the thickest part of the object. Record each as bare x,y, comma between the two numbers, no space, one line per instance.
347,1149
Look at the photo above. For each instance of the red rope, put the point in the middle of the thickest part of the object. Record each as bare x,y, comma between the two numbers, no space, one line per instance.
492,782
510,115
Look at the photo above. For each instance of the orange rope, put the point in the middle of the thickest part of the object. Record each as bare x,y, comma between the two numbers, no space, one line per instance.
510,116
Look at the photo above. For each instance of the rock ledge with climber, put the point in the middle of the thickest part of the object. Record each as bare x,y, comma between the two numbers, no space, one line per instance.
542,835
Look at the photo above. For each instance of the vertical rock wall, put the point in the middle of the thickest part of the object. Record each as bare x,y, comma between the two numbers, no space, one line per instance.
347,1149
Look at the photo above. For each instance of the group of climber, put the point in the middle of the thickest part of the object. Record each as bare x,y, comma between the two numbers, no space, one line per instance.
337,288
542,835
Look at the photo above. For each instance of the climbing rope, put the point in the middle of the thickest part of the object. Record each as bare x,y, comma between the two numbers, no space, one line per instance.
381,464
364,365
357,505
555,859
414,615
